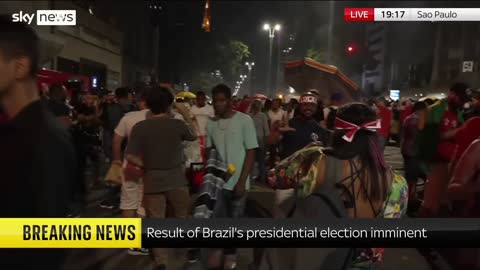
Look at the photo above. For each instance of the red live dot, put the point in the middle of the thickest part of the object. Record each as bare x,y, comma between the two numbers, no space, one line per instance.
359,14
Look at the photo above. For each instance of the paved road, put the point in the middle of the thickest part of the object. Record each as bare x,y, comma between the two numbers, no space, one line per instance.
118,259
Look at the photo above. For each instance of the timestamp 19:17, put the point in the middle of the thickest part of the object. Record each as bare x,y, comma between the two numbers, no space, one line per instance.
394,14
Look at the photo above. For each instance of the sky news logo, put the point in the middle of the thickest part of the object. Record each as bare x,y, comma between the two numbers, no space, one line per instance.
47,17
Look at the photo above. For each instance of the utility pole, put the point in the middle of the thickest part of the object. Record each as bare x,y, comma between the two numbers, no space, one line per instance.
271,35
330,32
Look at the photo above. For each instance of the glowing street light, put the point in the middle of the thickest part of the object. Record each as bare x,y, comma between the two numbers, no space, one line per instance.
271,31
249,65
271,35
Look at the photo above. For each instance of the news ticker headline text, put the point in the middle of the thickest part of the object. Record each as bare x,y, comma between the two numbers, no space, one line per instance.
208,233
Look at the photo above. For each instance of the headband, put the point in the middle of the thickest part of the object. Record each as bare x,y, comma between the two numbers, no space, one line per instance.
352,129
308,99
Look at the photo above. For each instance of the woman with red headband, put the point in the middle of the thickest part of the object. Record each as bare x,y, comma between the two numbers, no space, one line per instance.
366,185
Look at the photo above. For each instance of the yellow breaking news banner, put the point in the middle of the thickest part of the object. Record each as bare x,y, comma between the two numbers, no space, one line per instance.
70,232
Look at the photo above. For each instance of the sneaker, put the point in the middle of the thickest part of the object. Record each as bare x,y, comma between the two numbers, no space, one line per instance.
107,205
193,255
230,262
73,215
160,267
138,251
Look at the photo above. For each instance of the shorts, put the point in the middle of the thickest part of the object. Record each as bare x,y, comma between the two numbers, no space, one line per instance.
412,169
132,196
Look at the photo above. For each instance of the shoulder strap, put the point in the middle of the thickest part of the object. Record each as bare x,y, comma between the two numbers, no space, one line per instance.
329,190
333,171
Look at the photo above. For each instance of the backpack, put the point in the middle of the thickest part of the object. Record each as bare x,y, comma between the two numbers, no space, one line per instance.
330,121
112,114
325,202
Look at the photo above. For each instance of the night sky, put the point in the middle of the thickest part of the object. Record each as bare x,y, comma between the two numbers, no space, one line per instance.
243,21
185,49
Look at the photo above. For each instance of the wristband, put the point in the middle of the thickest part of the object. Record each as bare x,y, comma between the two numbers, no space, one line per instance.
118,162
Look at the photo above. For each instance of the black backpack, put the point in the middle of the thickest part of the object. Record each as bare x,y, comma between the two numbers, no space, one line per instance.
112,113
324,203
331,118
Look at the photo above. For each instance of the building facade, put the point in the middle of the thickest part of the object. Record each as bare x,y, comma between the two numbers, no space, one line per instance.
138,21
92,47
455,45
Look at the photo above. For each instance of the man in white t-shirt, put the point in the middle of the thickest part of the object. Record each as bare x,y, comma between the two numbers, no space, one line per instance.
277,114
132,191
202,112
277,118
131,196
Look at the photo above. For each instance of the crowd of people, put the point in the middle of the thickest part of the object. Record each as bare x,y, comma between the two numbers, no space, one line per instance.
146,143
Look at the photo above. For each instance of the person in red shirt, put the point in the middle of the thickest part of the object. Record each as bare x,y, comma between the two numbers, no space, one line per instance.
385,115
465,135
447,146
244,104
407,110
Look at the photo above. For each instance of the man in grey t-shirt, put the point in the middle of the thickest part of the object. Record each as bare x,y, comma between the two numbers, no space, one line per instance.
155,146
263,131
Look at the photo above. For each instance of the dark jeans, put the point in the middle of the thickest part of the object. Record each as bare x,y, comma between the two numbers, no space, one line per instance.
113,195
273,149
260,155
94,155
230,207
382,142
412,171
107,143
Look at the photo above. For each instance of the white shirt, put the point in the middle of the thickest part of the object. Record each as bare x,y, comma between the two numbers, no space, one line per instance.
202,115
128,121
280,115
326,111
291,114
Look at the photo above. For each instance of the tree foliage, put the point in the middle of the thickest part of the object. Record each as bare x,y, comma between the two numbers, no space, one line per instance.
205,81
232,56
317,55
228,57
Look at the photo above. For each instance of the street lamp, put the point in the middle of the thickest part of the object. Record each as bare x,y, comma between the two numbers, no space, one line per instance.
271,35
250,67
